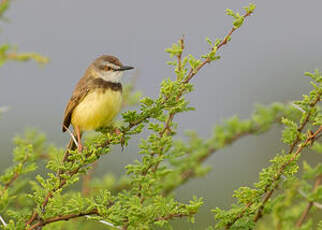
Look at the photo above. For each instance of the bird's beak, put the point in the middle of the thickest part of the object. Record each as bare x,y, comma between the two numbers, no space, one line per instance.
123,68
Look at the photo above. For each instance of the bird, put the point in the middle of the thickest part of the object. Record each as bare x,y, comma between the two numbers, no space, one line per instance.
96,99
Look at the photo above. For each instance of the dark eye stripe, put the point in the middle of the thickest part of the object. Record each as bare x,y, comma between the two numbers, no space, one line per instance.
105,68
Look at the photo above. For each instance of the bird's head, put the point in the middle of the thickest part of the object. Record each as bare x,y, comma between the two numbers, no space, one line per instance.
109,68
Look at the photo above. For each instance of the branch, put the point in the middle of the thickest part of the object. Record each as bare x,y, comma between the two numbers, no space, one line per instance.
268,195
167,130
190,173
309,140
16,175
302,126
75,171
310,204
300,129
171,216
193,72
60,218
125,130
50,193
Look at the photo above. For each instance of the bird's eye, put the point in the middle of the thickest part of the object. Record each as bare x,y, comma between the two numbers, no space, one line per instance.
107,68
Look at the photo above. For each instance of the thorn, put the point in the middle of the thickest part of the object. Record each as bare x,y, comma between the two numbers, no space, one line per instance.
2,221
106,223
297,107
318,205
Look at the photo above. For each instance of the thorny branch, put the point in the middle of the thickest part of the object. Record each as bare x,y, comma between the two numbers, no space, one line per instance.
131,125
302,126
310,204
15,176
190,173
300,129
268,194
193,72
60,218
167,130
309,140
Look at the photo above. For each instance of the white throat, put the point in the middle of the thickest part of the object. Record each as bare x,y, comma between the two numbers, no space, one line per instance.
112,76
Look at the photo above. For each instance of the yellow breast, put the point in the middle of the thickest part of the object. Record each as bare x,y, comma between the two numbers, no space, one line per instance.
97,109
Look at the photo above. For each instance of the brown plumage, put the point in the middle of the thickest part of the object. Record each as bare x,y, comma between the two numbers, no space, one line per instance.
89,82
96,99
84,86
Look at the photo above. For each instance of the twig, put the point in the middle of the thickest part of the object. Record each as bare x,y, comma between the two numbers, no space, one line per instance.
126,129
240,215
193,72
60,218
309,205
106,223
267,196
190,173
15,176
297,139
50,193
166,130
61,184
316,204
170,216
179,56
305,121
208,60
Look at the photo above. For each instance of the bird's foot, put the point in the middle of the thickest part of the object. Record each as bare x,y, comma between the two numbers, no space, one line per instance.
117,131
80,147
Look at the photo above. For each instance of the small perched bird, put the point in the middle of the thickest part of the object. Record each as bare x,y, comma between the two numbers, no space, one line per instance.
97,98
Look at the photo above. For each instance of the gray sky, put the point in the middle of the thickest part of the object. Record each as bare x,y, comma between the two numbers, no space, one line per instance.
264,62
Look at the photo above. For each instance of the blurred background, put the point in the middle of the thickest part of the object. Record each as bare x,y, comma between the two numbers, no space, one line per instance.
264,63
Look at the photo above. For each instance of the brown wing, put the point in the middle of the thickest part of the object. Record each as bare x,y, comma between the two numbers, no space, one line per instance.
80,91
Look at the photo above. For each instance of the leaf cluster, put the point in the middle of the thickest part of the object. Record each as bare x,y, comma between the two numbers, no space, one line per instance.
41,189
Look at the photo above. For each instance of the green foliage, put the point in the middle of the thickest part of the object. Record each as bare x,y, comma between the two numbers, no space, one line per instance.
239,19
144,197
9,53
4,5
253,203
